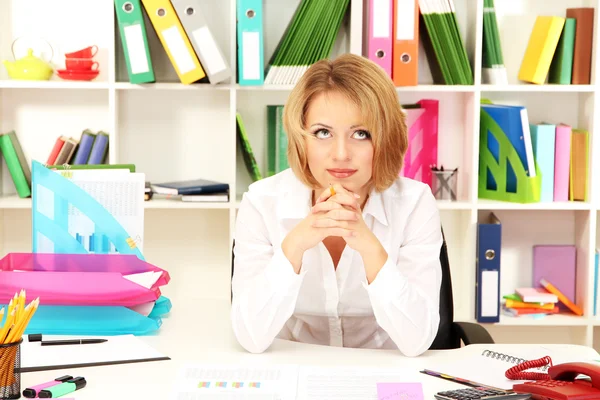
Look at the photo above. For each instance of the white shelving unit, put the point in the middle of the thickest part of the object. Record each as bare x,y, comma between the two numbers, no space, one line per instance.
172,131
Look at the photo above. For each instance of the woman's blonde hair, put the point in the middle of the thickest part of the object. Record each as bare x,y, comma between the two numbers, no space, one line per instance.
367,85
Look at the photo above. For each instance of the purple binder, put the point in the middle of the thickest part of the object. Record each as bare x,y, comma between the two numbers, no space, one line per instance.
558,265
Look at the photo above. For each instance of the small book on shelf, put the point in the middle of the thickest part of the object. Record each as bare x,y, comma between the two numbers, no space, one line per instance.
190,187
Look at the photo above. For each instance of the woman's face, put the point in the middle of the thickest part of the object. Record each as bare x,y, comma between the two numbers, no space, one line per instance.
340,149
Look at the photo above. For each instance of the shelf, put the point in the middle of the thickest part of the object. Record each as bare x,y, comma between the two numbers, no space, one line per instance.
506,205
538,88
178,204
548,320
437,88
52,84
14,202
169,86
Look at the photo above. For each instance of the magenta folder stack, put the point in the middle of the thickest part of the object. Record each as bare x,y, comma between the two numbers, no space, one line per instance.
79,279
96,294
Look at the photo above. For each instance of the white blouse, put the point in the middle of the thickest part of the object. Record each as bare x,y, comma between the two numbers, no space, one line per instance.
337,307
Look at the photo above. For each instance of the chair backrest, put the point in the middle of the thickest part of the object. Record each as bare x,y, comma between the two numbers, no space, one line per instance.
447,337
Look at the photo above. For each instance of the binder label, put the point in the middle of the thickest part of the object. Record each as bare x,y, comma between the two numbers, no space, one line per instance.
490,295
179,51
380,20
214,63
251,57
136,49
405,20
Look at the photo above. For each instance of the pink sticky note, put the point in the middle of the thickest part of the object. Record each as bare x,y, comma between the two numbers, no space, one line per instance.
399,391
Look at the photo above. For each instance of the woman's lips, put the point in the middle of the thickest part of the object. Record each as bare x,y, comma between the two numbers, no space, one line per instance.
341,173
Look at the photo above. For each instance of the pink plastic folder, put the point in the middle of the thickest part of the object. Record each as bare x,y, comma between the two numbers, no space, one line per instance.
81,279
422,152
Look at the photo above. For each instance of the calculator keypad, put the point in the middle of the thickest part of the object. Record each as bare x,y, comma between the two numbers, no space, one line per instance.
475,393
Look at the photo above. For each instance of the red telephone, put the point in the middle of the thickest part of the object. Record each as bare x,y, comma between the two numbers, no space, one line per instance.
560,382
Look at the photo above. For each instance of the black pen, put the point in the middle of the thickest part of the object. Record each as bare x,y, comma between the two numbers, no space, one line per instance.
72,341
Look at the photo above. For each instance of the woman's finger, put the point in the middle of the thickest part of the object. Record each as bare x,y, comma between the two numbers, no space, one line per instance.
333,190
330,223
325,206
342,214
341,232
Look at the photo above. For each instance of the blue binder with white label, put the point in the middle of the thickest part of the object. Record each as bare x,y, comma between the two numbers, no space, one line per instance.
489,245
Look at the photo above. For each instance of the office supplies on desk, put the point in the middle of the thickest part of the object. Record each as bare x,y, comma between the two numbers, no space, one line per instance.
32,392
11,339
87,211
488,367
122,349
72,341
64,388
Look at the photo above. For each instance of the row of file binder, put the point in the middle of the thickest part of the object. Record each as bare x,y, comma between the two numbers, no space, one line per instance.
184,33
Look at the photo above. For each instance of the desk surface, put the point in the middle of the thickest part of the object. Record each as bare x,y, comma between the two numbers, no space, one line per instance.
203,335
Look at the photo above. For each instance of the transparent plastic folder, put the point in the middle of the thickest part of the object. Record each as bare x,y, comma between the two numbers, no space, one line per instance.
81,279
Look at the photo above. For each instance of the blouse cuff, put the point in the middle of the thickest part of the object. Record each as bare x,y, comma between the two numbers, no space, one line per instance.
281,276
388,283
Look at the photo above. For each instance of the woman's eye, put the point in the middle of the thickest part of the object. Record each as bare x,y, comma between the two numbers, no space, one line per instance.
362,135
322,133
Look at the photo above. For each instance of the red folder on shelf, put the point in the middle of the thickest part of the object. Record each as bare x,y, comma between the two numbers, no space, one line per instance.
81,279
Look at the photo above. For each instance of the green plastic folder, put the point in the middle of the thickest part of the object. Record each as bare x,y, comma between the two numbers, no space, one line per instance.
528,188
134,40
246,149
561,66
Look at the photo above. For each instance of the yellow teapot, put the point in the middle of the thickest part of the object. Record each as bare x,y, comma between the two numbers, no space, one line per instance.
29,67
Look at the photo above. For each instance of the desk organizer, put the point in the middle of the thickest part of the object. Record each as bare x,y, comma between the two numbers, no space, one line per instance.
79,279
10,375
497,152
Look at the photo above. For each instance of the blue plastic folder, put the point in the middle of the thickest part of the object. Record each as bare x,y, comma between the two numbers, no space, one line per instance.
51,186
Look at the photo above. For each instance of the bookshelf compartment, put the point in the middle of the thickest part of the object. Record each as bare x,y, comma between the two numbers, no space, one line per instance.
68,28
521,230
218,16
515,24
196,143
39,118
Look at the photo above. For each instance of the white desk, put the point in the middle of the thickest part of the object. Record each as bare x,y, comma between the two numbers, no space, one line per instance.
204,335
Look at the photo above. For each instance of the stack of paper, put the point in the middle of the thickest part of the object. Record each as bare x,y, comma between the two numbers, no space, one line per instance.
444,43
494,70
309,38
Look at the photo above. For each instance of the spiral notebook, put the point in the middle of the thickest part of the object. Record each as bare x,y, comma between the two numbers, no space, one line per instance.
487,366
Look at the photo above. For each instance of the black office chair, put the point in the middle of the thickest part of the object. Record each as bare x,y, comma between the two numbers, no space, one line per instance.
450,333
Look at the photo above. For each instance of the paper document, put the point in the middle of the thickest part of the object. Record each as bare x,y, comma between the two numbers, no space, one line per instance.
209,381
121,349
348,383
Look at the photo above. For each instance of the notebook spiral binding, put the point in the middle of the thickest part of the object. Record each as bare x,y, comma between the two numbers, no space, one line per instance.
507,358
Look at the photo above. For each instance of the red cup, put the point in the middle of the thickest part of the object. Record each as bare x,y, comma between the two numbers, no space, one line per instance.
88,52
81,64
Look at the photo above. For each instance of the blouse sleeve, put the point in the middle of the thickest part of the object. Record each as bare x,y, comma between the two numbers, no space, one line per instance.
264,286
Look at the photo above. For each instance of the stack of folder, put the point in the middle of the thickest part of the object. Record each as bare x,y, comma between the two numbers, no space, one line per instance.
87,265
560,49
184,32
443,43
528,162
530,301
493,71
309,37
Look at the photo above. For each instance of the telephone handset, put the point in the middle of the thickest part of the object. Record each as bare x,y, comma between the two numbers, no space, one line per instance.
560,383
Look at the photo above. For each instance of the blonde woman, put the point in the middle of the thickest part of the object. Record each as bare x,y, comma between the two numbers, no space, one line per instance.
339,250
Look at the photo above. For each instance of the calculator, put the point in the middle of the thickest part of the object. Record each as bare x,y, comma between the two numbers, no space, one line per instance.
480,393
